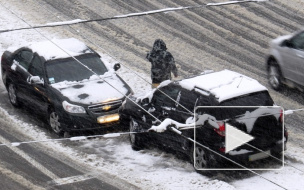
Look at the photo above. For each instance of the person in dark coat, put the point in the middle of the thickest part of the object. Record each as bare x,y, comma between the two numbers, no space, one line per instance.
162,63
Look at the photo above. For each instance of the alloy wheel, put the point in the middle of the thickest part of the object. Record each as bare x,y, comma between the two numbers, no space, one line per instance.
12,94
200,158
274,76
132,129
54,123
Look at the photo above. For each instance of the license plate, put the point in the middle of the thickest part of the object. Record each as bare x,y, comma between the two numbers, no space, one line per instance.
259,156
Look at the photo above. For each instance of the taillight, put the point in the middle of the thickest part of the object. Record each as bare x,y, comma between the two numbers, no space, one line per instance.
221,129
281,116
222,149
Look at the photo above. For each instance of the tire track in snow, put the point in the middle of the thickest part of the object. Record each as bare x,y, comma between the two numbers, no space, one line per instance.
193,37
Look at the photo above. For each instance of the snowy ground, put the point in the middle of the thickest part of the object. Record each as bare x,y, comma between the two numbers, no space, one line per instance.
148,169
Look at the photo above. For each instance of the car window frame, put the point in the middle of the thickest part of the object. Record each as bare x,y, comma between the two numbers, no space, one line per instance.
42,66
17,58
293,40
182,106
163,92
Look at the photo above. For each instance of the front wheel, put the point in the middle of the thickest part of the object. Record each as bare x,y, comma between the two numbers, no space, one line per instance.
12,95
135,141
54,121
274,76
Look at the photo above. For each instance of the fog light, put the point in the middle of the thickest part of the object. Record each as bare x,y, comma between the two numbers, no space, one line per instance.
108,118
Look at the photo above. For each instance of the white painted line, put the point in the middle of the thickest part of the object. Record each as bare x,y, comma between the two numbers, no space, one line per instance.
29,159
19,179
69,180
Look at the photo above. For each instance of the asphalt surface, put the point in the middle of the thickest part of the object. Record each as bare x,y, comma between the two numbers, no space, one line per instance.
231,37
35,166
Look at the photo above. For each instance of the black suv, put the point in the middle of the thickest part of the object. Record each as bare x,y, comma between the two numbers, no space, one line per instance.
218,93
66,81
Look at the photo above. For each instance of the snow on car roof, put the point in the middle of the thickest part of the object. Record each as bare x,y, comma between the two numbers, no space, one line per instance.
224,84
59,48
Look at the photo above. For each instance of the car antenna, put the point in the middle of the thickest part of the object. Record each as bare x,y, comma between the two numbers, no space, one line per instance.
240,81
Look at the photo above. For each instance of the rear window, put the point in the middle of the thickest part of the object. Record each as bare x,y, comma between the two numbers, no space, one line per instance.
254,99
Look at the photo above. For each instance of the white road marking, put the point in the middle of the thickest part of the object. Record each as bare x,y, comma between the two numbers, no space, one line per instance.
18,178
56,181
29,159
68,180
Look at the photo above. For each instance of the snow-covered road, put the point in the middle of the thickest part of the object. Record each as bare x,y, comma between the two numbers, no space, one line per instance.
196,48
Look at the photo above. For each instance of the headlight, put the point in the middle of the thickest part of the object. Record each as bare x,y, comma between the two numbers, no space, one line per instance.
72,108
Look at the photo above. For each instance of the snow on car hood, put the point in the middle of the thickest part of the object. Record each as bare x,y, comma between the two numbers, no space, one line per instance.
97,89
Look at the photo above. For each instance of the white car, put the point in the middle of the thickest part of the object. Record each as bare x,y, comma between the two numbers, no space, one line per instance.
285,63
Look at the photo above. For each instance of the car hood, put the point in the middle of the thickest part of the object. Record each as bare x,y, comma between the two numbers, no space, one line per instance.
94,90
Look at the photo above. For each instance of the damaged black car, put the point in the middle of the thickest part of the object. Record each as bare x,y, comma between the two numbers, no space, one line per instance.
190,117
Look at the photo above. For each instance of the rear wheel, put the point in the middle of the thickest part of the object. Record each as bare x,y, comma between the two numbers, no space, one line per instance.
274,75
54,121
135,141
199,158
12,94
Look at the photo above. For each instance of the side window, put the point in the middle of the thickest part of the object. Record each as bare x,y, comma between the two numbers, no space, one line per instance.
188,99
206,100
161,98
298,41
36,67
24,58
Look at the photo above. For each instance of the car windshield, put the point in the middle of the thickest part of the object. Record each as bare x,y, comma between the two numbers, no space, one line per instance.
255,99
69,69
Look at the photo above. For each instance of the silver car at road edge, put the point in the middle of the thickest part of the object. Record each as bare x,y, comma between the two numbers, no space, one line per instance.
285,63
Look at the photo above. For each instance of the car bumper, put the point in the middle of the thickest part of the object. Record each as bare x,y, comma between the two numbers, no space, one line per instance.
88,123
240,159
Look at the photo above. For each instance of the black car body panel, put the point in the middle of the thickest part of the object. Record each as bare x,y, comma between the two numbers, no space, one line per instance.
21,66
177,101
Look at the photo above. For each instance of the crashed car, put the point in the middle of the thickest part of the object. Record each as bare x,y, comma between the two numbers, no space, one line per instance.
166,118
66,81
285,61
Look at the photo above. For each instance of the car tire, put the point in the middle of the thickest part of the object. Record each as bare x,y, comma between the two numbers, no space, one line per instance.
199,158
12,95
135,141
54,122
274,75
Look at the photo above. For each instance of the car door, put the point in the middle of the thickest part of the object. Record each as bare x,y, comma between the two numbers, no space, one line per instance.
21,62
164,103
293,58
184,113
37,91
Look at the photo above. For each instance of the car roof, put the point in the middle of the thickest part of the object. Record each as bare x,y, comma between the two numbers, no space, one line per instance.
224,84
59,48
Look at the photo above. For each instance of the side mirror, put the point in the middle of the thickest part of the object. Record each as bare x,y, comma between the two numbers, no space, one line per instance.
116,66
35,80
145,101
286,43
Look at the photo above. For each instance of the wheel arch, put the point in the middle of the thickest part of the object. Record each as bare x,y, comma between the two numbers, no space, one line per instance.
273,60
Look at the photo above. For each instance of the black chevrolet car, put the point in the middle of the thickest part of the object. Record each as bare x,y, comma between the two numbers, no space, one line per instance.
66,81
211,101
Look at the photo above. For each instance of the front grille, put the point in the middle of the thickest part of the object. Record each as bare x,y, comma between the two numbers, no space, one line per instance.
104,107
